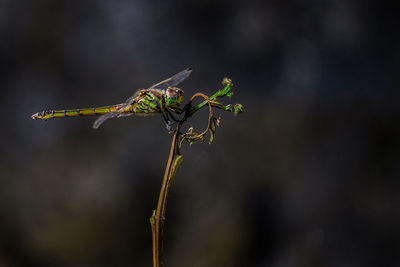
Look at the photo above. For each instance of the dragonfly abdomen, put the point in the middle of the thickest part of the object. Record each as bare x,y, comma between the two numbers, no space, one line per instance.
48,114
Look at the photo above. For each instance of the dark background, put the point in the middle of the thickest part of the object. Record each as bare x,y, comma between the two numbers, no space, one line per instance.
308,176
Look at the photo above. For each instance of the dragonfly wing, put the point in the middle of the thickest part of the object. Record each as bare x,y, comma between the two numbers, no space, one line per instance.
107,116
172,81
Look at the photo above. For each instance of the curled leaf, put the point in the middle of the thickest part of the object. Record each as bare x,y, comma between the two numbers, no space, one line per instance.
238,108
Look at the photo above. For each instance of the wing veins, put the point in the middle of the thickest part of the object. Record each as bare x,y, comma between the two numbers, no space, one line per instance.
173,80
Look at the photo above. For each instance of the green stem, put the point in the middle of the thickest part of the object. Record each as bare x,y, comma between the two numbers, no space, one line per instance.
226,91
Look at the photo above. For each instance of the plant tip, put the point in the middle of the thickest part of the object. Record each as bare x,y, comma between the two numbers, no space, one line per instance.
227,81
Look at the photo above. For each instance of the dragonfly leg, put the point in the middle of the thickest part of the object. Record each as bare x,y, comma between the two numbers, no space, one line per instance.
168,122
178,110
171,116
187,107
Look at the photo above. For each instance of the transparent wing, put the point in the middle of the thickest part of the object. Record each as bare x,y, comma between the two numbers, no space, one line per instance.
172,81
107,116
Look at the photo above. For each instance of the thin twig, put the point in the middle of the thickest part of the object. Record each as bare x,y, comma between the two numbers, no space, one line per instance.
158,217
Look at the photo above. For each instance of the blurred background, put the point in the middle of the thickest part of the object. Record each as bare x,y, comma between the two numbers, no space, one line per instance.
308,176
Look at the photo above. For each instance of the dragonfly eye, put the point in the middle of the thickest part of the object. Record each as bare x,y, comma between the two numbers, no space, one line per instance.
178,91
170,92
174,92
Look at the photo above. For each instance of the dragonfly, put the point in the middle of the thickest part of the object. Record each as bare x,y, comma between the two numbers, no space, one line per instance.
160,98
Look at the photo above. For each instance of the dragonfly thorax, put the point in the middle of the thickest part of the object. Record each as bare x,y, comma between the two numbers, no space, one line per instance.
173,96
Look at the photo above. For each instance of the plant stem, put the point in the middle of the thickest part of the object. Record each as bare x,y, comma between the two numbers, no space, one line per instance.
158,218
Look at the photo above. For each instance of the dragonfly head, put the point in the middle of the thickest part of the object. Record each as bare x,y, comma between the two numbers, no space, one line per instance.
174,96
